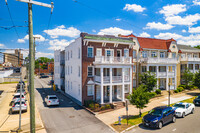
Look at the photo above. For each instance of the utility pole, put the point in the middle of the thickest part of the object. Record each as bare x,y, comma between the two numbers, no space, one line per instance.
31,59
35,44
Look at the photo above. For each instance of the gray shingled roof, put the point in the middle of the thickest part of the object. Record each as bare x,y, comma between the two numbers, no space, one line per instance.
186,48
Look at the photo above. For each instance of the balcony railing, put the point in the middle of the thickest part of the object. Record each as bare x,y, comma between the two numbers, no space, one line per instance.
113,60
190,59
115,79
162,74
171,74
159,60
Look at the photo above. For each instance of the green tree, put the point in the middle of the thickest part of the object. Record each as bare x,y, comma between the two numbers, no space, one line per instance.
139,98
148,80
188,78
198,46
43,60
197,79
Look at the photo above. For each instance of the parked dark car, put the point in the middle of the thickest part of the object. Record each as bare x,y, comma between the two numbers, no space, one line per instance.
197,101
44,76
18,86
159,116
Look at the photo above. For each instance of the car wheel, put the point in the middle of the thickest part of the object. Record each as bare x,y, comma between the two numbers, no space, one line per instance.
174,119
183,115
160,124
192,112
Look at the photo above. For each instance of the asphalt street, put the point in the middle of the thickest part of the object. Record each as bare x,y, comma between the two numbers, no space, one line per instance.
68,117
189,124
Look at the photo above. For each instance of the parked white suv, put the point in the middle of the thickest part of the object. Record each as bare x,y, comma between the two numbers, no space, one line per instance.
183,109
51,100
16,106
17,97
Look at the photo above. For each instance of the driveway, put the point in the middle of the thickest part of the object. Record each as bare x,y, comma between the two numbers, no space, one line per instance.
68,117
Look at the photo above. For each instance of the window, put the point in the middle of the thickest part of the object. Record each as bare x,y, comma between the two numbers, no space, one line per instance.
134,54
79,71
90,71
109,52
90,52
173,81
182,55
134,68
126,53
68,70
173,68
173,55
144,69
189,55
126,88
196,66
144,54
162,54
90,90
71,85
79,89
71,53
99,52
79,53
71,69
195,55
191,66
153,54
162,68
152,68
134,82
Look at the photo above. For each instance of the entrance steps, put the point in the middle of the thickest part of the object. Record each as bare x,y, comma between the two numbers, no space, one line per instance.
118,105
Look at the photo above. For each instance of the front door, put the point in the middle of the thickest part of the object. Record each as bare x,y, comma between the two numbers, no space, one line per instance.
162,83
98,93
119,53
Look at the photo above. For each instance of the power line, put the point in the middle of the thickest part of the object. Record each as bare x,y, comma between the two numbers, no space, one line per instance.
10,27
12,19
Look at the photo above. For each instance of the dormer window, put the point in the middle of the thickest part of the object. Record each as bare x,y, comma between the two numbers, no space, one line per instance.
144,54
153,54
162,54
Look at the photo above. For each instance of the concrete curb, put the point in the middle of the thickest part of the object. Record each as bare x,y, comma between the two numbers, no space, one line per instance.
130,128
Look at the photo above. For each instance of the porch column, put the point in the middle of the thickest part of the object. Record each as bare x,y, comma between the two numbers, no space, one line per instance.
131,80
102,85
157,71
110,99
167,81
193,68
147,68
175,78
123,85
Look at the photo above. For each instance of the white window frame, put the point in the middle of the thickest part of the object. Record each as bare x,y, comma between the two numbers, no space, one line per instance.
144,54
153,54
134,82
162,54
99,49
173,55
134,54
92,52
134,68
120,52
126,55
111,52
92,71
126,88
91,92
143,67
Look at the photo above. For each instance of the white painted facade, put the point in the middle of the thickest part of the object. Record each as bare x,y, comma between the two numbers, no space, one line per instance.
73,72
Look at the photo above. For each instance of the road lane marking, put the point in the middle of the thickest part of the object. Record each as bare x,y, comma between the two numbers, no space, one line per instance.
174,130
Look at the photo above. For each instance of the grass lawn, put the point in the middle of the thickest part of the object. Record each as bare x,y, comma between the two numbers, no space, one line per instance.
12,82
134,120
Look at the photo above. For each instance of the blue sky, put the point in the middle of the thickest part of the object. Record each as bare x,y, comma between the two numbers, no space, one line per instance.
178,19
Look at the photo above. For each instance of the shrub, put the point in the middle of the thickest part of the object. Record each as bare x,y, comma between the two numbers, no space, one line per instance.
190,87
184,86
158,91
107,106
103,108
96,106
152,94
180,89
91,106
195,87
176,91
88,102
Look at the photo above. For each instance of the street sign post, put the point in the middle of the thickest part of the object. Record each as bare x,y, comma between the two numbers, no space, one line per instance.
127,111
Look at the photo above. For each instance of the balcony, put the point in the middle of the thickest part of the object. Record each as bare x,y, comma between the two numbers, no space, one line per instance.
112,60
160,60
115,79
162,74
62,62
190,59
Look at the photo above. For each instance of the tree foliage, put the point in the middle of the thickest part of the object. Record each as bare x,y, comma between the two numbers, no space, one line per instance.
198,46
148,80
188,77
197,79
42,60
139,98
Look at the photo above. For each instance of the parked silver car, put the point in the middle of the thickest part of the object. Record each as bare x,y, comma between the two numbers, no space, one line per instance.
16,106
17,97
51,100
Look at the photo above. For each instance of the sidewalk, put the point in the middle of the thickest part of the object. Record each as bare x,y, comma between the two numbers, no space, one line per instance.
111,117
9,121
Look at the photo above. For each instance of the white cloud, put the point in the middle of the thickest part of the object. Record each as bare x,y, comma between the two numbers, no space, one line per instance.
118,19
196,2
41,54
59,44
114,31
40,39
184,31
144,34
94,31
63,31
158,26
2,45
171,10
194,30
187,20
192,40
134,7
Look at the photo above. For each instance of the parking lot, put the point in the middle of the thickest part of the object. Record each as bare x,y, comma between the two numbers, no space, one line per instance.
8,120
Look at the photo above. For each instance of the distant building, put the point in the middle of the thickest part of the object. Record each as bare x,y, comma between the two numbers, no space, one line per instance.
49,68
15,59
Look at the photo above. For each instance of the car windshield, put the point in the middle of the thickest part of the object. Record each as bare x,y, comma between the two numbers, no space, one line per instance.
53,98
18,96
18,103
156,112
179,106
